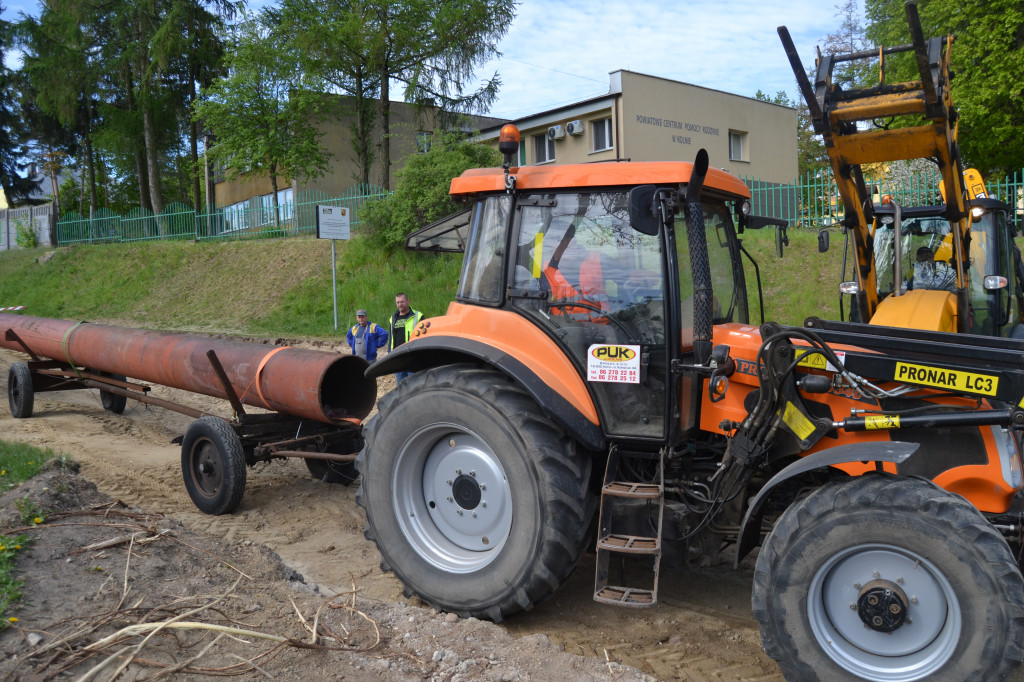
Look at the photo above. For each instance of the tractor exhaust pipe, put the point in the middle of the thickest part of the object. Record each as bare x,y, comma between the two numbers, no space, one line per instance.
700,266
317,385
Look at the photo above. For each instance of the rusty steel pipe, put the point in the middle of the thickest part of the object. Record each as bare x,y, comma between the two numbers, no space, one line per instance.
318,385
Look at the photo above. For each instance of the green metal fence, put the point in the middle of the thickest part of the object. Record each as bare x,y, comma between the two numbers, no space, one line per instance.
255,218
810,201
813,200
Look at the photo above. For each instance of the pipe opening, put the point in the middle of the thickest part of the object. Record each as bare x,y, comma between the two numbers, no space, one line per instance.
345,391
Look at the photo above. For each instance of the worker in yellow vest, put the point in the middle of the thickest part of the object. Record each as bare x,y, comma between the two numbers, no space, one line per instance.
403,321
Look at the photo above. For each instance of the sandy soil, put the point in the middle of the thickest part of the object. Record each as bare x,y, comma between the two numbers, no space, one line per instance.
702,629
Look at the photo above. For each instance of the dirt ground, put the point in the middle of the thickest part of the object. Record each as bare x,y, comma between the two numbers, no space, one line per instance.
701,630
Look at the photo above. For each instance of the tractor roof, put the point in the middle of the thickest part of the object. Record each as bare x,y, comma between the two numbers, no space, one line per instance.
577,176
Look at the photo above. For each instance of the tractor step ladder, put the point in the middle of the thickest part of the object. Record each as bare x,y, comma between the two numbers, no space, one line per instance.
643,549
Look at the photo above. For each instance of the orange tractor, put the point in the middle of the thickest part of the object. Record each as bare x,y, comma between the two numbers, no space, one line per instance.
597,384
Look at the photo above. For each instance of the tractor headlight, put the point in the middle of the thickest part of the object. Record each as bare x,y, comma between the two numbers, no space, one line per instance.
1009,456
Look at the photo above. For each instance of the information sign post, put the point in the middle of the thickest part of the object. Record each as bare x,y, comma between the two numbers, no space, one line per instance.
333,222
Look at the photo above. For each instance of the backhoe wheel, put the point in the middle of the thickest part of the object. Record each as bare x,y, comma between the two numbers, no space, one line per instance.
20,392
113,402
213,465
885,578
476,500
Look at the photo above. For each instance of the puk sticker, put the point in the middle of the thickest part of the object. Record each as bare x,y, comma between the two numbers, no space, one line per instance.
613,363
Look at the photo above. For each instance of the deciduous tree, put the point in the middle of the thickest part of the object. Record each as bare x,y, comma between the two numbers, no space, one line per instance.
262,117
988,60
12,129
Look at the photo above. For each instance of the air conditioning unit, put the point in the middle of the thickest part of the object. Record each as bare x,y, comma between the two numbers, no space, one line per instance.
575,127
556,133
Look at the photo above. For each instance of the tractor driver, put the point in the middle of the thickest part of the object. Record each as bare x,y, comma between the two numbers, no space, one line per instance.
930,273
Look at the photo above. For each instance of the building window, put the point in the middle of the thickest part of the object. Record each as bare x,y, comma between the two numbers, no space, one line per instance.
285,203
543,149
737,146
423,139
602,134
236,216
265,214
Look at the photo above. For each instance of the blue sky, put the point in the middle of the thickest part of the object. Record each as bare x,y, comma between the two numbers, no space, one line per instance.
559,53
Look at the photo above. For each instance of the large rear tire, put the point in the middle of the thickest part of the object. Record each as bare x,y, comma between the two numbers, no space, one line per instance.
20,392
476,500
213,465
888,579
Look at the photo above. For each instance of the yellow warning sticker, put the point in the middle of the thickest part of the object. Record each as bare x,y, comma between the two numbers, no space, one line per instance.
985,384
797,422
818,361
875,422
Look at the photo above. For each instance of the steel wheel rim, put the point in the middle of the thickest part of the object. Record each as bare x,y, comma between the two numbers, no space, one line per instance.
206,469
915,650
442,470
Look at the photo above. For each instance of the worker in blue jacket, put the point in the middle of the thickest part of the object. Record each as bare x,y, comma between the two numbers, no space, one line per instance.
366,337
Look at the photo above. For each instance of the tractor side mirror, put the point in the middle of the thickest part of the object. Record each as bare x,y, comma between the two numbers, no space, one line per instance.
823,240
642,216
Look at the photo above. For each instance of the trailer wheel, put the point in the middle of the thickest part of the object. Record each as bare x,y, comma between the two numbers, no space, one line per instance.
20,392
112,402
885,578
213,465
332,472
477,501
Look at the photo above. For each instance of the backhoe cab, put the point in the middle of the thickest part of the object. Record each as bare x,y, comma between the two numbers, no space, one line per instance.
914,261
596,385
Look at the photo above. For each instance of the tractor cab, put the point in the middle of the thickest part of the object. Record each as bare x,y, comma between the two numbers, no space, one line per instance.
556,247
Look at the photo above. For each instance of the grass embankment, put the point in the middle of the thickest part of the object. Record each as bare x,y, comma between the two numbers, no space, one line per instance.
266,287
18,463
282,288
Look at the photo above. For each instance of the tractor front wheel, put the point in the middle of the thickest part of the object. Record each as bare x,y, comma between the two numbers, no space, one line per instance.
885,578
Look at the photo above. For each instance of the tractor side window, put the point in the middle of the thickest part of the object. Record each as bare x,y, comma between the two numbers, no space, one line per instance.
482,270
729,302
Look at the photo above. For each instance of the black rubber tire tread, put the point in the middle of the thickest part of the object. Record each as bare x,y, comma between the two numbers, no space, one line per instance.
112,402
525,573
343,473
21,394
231,460
909,512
